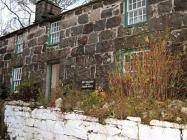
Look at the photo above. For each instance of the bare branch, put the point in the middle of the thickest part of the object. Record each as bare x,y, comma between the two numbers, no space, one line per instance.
18,18
22,12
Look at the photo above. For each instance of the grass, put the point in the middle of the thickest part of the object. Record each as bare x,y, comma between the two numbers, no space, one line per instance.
103,105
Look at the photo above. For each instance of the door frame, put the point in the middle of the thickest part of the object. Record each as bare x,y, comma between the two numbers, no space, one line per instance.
49,77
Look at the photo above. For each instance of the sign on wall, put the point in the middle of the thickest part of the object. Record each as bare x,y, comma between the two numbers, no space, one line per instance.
88,84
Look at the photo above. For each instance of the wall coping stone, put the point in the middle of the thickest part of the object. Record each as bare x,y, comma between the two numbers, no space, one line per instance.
166,124
79,115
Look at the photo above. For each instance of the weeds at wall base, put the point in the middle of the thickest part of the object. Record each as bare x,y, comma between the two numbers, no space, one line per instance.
108,106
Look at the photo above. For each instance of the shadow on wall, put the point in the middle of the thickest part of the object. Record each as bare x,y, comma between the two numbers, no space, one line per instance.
3,96
3,91
3,128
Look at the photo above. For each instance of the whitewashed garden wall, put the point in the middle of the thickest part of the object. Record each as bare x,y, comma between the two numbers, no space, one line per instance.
51,124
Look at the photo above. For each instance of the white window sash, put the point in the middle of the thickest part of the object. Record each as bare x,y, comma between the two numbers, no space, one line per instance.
17,75
139,18
131,53
19,44
55,33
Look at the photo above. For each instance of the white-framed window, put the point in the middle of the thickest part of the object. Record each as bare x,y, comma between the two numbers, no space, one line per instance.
136,11
130,59
54,35
16,79
19,44
65,74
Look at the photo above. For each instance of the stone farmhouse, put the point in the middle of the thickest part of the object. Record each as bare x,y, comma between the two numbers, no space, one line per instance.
80,44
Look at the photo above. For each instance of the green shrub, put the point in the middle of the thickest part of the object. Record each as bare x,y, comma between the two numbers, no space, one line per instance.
27,91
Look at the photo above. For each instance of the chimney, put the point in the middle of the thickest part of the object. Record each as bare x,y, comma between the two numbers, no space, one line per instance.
46,9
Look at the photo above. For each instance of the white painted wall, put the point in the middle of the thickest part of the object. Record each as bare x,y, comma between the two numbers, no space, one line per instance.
51,124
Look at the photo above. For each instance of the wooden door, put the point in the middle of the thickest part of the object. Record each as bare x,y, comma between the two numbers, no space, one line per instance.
53,79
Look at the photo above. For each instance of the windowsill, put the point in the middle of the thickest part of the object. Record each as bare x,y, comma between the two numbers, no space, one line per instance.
55,44
19,53
15,91
136,24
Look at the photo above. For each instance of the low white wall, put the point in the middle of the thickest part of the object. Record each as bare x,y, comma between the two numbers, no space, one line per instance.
51,124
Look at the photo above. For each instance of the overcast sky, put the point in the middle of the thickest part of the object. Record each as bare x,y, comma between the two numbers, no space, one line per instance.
6,16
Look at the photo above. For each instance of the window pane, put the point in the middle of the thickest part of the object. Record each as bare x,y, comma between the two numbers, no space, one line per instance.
135,20
134,6
55,32
143,3
131,21
140,12
130,7
144,18
19,43
131,14
139,4
131,58
137,11
17,73
144,11
140,18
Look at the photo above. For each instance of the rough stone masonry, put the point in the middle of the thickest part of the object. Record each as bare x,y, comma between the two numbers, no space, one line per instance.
89,36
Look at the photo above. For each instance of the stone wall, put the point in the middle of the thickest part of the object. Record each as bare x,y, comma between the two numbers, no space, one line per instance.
89,36
23,123
2,126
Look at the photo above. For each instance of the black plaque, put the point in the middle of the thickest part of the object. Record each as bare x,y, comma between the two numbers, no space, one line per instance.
88,84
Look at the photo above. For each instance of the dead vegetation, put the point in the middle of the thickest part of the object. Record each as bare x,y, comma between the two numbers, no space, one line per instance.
151,85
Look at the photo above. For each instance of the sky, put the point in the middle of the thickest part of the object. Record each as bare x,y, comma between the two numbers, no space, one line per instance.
6,16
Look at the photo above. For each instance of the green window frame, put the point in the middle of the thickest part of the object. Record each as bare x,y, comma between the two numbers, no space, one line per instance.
128,57
19,44
124,57
54,33
16,78
49,67
135,12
